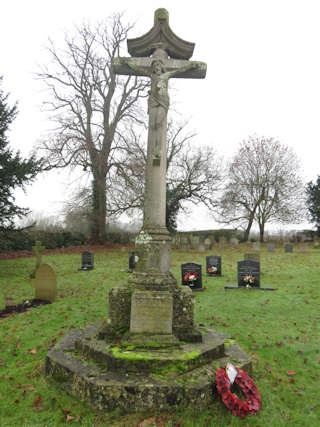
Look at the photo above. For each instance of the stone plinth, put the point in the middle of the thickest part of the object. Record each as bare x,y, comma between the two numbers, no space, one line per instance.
120,304
110,376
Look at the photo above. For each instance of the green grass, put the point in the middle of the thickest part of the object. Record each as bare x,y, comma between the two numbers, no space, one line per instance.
280,330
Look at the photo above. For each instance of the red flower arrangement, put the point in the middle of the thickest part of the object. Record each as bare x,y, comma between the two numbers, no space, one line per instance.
249,280
212,269
190,277
239,407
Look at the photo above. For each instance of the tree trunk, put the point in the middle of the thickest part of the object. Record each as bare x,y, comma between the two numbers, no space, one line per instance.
99,210
247,230
261,227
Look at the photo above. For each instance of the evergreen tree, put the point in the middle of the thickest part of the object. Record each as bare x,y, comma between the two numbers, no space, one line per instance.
313,202
14,171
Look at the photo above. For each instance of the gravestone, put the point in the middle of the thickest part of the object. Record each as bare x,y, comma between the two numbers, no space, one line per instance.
201,248
234,242
45,283
271,247
214,261
86,261
249,268
288,247
222,242
252,257
303,249
37,249
133,259
195,240
256,246
185,243
207,243
188,270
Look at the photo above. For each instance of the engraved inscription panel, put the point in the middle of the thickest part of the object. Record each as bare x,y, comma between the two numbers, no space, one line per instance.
151,312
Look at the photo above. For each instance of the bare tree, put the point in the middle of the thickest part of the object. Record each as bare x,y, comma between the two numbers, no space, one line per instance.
194,174
263,185
90,106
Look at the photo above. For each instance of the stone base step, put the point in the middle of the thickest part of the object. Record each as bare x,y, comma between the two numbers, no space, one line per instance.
168,385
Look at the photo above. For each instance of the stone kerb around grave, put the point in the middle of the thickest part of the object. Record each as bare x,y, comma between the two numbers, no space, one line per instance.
45,283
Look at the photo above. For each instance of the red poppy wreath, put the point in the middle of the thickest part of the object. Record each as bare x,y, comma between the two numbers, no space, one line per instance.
241,408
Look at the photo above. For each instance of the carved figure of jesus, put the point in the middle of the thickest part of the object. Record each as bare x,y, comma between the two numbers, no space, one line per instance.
159,101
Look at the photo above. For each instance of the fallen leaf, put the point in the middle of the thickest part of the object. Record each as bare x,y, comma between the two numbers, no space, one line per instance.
37,400
69,418
268,368
291,373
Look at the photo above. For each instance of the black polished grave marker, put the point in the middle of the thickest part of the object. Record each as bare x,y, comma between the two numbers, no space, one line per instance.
249,268
132,261
192,268
86,261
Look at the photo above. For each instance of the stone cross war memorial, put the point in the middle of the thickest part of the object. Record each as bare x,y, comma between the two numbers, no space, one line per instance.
125,347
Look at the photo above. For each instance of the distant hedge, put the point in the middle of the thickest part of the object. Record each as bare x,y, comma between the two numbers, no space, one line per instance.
24,240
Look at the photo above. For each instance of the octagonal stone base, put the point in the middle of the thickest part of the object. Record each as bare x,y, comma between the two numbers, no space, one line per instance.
122,375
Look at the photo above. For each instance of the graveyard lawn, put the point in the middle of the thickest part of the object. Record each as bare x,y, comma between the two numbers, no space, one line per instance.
279,330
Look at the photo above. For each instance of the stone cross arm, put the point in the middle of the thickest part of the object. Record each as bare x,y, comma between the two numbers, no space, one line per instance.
180,68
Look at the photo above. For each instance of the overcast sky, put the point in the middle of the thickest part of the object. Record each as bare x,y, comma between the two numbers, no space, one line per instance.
263,59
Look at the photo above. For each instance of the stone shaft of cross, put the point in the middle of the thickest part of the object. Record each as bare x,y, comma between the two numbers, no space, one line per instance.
169,56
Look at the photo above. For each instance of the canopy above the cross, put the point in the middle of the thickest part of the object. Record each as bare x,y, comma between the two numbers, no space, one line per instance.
160,34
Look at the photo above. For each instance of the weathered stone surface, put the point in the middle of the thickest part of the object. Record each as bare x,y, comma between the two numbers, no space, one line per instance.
183,312
151,312
178,378
120,307
45,283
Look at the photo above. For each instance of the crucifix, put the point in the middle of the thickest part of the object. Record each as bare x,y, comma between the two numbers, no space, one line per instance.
159,55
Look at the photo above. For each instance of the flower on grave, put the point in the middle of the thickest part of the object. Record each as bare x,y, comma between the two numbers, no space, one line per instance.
212,269
249,280
190,278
